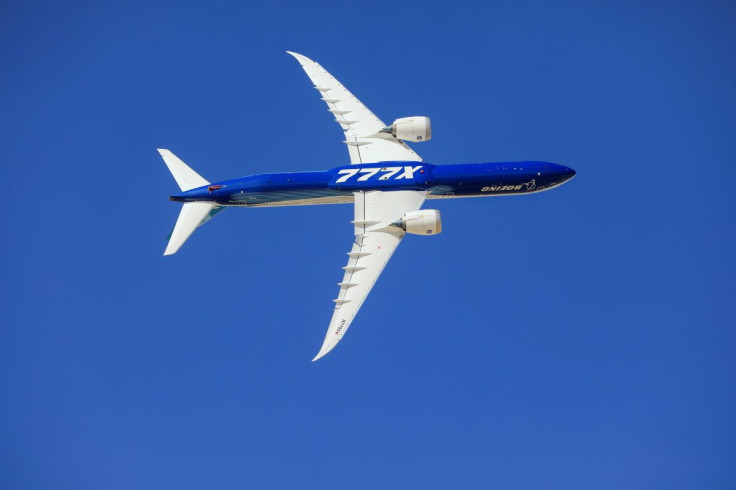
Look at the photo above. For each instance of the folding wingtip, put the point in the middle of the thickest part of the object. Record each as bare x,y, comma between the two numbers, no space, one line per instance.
170,249
299,57
322,353
162,151
326,348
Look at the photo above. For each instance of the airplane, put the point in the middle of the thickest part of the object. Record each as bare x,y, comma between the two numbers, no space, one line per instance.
386,181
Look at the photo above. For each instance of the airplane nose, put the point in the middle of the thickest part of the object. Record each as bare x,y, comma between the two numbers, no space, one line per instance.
560,173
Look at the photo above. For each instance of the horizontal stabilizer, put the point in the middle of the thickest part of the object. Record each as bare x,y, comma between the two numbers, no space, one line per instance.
192,215
185,176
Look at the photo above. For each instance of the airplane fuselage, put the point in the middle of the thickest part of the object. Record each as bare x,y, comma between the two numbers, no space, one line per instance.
338,184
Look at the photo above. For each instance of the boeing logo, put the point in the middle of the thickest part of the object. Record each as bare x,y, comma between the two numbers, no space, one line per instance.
498,188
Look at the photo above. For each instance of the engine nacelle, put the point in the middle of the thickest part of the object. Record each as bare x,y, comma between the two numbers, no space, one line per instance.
422,222
415,128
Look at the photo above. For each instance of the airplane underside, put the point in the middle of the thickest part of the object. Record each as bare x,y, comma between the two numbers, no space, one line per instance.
345,197
386,181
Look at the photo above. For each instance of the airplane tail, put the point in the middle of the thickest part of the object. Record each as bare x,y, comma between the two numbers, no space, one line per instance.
193,214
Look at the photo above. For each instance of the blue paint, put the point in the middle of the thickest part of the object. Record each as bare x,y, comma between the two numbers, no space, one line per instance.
464,180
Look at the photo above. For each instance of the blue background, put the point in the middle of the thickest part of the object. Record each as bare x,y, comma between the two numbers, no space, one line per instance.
579,338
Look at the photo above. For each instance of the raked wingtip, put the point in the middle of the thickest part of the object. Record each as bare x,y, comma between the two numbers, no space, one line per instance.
326,348
299,57
322,353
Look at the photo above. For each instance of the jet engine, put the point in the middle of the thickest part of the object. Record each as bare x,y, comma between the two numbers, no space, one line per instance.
422,222
415,129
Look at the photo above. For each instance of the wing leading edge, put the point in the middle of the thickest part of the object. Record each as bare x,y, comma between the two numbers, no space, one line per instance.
366,143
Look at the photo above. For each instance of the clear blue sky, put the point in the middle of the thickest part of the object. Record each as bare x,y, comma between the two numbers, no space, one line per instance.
579,338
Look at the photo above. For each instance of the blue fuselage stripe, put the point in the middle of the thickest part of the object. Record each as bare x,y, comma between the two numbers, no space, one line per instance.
438,180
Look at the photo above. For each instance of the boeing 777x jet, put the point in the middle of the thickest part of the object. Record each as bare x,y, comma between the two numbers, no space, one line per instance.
386,181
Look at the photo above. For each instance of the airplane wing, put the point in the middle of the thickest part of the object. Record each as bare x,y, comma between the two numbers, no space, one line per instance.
375,242
375,238
366,143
